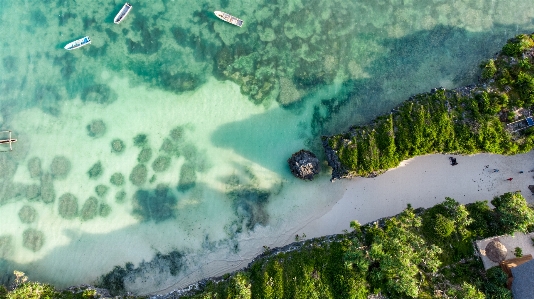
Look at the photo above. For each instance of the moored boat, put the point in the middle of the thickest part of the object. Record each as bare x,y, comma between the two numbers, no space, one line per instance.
78,43
122,13
229,18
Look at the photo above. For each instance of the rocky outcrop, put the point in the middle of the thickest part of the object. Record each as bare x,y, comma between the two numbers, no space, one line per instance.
304,165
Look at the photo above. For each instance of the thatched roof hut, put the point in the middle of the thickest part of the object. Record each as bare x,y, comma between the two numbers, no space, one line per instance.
496,251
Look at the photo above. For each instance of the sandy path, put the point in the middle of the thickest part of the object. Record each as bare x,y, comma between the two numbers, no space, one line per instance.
423,182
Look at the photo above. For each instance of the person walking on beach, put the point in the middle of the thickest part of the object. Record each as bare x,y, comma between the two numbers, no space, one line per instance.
509,179
495,170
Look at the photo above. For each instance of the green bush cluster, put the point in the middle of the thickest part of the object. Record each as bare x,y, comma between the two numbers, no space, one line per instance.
446,121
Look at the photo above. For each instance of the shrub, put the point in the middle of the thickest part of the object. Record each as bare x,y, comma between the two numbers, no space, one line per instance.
518,252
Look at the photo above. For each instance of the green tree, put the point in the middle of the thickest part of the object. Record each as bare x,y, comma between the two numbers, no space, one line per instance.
513,213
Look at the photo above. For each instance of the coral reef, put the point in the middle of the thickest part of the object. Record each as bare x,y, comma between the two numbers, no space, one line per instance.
96,170
249,205
68,206
188,177
97,128
8,167
32,192
33,239
27,214
304,165
169,147
117,146
89,209
157,205
177,133
6,246
145,155
139,175
60,167
104,210
120,196
140,140
99,93
117,179
48,193
161,163
34,167
101,190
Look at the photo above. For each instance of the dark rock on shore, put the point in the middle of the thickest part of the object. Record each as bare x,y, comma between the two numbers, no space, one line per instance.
304,165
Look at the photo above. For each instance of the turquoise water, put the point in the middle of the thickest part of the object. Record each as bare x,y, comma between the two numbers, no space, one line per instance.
164,142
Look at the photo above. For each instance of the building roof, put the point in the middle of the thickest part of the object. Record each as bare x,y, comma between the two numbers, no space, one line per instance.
523,284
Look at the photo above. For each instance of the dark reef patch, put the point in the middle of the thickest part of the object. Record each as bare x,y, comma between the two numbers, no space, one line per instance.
145,155
34,167
32,239
101,190
48,193
6,246
32,192
157,205
188,177
172,263
117,146
47,98
169,147
139,175
120,196
104,210
68,206
117,179
111,34
67,62
89,208
27,214
63,18
60,167
38,18
140,140
177,134
99,93
10,63
161,163
97,128
95,171
249,205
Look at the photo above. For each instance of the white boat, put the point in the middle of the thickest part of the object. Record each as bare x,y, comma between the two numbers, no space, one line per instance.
122,13
78,43
229,18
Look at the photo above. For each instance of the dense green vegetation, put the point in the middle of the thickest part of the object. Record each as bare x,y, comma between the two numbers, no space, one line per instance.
464,121
416,254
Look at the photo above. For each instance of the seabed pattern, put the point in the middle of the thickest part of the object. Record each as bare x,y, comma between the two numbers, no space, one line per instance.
165,140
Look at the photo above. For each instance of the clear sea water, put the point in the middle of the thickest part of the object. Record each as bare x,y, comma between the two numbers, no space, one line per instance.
164,143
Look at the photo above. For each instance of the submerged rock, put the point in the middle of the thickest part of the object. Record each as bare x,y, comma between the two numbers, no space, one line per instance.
304,165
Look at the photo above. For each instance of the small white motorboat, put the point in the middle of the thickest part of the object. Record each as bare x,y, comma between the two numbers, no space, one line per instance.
78,43
122,13
229,18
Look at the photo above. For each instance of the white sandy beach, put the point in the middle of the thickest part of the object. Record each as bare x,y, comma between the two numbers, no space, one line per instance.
421,181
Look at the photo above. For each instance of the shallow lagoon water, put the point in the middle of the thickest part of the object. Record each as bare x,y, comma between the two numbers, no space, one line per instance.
194,120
